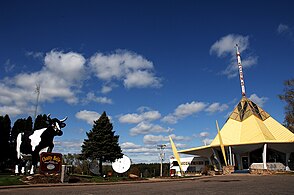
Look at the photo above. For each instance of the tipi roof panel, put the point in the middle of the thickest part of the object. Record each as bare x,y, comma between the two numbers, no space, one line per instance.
279,131
245,108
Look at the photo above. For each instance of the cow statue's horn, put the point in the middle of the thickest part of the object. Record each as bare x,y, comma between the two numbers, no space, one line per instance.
62,120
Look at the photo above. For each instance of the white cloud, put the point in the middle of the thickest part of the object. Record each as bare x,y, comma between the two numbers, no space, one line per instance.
36,55
67,146
216,107
60,77
204,137
129,145
8,66
143,109
225,46
171,119
63,74
11,110
207,141
260,101
282,28
92,98
106,89
204,134
144,150
141,79
137,118
137,150
145,128
180,145
69,66
184,110
189,109
155,139
88,116
131,68
286,31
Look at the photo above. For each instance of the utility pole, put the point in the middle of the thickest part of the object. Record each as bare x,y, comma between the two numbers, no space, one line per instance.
38,95
161,156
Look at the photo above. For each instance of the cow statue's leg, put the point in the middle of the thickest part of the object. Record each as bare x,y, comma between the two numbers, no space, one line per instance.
50,147
18,167
28,166
16,171
34,162
23,166
35,157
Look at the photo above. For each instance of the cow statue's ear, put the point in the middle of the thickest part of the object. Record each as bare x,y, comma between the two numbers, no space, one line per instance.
62,125
47,122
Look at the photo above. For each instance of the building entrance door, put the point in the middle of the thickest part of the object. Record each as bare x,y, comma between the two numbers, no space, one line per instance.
245,163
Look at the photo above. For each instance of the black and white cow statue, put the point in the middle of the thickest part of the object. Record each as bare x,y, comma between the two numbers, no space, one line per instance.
29,148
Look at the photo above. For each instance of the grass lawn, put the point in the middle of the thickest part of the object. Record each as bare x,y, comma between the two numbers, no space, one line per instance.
7,180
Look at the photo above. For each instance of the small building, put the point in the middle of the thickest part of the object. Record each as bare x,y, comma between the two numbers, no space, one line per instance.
190,165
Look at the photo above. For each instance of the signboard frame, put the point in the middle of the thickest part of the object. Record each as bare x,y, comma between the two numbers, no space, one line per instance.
50,162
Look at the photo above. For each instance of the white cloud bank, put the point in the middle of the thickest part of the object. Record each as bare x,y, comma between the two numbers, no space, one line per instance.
62,77
191,108
88,116
145,128
260,101
137,118
225,46
155,139
91,97
133,69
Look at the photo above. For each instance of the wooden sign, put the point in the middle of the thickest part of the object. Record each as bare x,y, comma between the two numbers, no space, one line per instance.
50,162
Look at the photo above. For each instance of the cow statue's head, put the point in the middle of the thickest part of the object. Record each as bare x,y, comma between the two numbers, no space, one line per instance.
57,124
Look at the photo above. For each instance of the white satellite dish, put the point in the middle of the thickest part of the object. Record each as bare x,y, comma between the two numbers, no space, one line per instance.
121,165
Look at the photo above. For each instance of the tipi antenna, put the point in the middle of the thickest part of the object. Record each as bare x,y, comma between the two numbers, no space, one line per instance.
38,96
240,71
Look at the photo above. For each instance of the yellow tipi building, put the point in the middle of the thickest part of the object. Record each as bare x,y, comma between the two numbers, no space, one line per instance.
250,135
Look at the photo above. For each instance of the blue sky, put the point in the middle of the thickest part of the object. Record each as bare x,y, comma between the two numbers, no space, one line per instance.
157,68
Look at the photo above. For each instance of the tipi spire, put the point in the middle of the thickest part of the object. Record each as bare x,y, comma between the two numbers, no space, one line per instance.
240,71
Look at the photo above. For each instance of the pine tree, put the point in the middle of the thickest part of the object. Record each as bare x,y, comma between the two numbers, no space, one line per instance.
20,126
5,126
41,122
288,97
102,144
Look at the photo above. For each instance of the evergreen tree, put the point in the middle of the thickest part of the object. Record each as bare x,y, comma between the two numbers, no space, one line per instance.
20,126
29,126
41,122
5,126
102,144
288,97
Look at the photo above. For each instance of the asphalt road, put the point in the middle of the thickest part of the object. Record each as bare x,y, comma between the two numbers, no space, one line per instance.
234,184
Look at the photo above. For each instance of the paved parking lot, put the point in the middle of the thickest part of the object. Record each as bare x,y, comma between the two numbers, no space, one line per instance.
229,184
